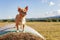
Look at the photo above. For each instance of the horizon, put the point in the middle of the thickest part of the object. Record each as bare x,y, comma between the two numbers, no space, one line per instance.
36,9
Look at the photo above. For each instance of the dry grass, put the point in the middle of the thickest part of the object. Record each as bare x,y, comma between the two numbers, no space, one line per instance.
50,30
2,24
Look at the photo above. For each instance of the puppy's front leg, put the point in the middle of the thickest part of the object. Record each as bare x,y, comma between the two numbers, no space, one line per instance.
23,27
17,26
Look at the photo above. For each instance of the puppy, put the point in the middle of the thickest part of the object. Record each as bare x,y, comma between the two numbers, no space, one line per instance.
20,18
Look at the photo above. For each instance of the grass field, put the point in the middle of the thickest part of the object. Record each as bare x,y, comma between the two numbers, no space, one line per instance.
50,30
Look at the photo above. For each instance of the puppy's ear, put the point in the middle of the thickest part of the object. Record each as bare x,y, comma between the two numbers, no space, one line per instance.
26,8
19,9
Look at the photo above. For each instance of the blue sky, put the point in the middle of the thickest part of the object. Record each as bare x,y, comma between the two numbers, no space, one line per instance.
36,8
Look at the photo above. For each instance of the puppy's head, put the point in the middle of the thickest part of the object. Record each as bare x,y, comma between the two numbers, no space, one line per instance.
23,11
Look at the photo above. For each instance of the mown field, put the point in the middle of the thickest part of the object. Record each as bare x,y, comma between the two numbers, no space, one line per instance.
50,30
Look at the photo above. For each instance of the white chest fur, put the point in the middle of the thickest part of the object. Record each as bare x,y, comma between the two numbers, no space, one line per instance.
23,20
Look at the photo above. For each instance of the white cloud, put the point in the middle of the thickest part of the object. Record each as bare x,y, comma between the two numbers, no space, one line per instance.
9,17
48,14
51,3
58,11
52,13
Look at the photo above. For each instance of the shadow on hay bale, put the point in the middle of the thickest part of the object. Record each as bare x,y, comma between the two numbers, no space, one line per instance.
19,36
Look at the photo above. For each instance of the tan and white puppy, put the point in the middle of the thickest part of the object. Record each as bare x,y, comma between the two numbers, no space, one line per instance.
20,18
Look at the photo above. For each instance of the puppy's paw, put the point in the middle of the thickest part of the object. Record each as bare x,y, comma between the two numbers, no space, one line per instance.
17,31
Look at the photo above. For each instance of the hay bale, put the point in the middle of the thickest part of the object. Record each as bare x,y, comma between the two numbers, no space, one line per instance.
19,36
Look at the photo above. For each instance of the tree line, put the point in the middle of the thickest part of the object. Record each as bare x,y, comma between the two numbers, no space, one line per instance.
34,20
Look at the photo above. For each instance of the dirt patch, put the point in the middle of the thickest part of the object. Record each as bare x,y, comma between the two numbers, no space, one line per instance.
19,36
